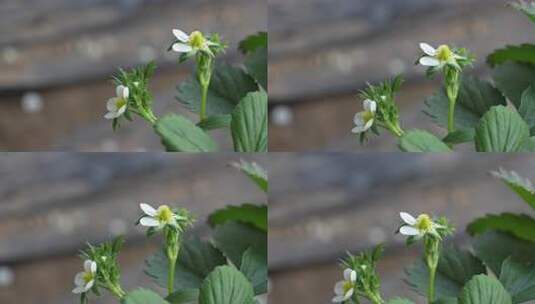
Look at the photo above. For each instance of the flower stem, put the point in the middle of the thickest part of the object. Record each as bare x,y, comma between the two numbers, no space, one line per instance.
204,95
171,278
431,289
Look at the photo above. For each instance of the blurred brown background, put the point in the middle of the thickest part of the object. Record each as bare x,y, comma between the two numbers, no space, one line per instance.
322,52
52,203
57,57
321,205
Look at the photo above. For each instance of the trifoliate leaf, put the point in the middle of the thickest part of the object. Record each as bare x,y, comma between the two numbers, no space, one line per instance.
518,184
179,134
226,285
525,7
234,238
517,53
501,130
483,289
256,65
254,267
519,280
247,213
185,296
253,42
527,107
196,260
228,86
249,123
143,296
215,122
421,141
519,225
512,79
256,173
494,247
475,98
455,268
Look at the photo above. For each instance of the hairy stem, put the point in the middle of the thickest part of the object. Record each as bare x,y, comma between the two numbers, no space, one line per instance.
204,95
171,278
431,289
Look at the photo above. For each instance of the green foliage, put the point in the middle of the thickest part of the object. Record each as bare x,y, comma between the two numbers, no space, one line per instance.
234,238
525,7
253,42
255,215
527,108
455,268
400,301
256,173
226,285
249,123
521,186
519,225
483,289
179,134
143,296
501,130
516,53
460,136
256,65
519,280
421,141
512,79
254,267
215,122
185,296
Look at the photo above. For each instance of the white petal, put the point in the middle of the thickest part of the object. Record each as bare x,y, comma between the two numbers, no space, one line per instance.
88,266
429,61
149,222
121,91
121,110
111,115
148,209
339,288
349,274
429,50
93,267
407,218
79,279
78,290
368,124
348,294
181,48
338,299
111,105
358,120
89,285
359,129
369,105
126,93
408,230
180,35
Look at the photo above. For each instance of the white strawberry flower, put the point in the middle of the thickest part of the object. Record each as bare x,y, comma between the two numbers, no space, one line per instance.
191,43
419,226
116,106
158,217
364,120
438,57
85,280
345,289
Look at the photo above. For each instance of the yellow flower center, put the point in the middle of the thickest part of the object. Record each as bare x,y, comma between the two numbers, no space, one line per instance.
424,223
197,40
444,53
164,214
367,116
347,286
121,102
88,277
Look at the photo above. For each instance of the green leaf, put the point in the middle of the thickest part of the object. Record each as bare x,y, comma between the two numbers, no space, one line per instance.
501,130
226,285
256,173
460,136
529,145
215,122
228,86
527,107
143,296
483,289
455,268
254,266
521,186
256,65
519,280
512,79
399,301
234,238
247,213
525,7
519,225
196,260
518,53
494,247
475,98
253,42
249,123
179,134
185,296
421,141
